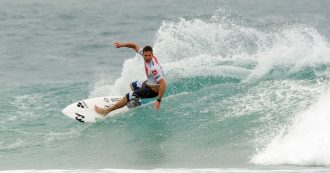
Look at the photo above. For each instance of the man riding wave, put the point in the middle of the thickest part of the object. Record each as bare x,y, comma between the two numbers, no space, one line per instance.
154,86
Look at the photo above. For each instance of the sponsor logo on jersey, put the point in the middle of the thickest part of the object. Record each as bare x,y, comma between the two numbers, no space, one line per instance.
154,72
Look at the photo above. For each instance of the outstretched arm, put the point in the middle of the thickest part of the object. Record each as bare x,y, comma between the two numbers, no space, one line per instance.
132,45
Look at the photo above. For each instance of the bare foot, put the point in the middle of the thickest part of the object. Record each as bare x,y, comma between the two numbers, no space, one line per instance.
101,110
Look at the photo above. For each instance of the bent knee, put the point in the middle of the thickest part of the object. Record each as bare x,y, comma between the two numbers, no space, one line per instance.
129,96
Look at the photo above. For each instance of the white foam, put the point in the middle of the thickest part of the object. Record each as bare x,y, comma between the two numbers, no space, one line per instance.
101,87
204,65
193,48
132,70
291,49
184,49
306,142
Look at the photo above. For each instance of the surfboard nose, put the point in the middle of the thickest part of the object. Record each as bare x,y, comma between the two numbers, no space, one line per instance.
66,111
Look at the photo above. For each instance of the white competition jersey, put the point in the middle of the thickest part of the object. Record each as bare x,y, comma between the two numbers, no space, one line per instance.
153,69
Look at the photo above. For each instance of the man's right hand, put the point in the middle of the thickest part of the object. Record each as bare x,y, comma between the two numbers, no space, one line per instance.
117,44
132,45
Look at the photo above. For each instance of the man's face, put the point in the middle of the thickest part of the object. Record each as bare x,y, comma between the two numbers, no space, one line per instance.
147,55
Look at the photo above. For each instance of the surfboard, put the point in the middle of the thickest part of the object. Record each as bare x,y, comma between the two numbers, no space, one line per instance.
84,110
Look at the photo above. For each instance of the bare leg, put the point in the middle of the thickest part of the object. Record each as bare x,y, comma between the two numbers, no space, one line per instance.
121,103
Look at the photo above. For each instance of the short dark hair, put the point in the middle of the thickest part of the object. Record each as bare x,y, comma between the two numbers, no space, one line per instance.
147,48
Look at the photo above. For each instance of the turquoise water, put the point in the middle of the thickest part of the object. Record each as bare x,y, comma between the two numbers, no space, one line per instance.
247,86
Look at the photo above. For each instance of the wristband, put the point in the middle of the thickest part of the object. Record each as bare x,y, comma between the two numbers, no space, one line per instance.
159,100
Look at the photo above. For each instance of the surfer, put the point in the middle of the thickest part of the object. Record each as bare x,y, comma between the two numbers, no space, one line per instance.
154,86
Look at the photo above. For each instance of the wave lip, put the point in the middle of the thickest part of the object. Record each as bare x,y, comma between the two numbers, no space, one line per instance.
305,143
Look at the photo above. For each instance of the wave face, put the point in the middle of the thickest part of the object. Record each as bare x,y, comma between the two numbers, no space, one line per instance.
236,94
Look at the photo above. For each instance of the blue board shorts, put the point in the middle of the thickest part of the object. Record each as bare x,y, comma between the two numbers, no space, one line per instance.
140,90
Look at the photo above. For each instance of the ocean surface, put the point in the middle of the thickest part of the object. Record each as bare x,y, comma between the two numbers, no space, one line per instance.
247,86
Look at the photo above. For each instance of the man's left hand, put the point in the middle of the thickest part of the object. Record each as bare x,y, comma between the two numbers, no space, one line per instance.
156,105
